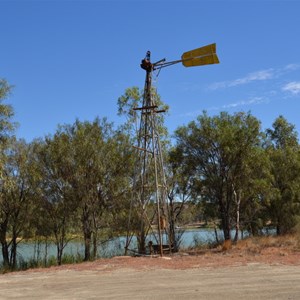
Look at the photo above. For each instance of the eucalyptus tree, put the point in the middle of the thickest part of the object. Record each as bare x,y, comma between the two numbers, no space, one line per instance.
180,194
284,154
118,172
18,192
251,198
219,152
6,129
132,98
6,113
6,125
100,162
56,167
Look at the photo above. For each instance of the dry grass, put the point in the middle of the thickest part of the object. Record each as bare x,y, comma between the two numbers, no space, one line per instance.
257,245
253,246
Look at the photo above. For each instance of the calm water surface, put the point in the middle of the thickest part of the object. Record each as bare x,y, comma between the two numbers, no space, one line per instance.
27,251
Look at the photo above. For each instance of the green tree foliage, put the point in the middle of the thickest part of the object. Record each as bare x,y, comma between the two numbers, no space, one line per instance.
6,112
132,98
56,197
93,163
179,194
17,194
6,124
6,128
219,152
284,154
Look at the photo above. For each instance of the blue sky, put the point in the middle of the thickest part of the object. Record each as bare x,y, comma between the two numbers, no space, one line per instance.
73,59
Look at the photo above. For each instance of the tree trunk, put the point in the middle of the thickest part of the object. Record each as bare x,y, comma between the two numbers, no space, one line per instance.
95,234
59,254
237,198
46,252
95,246
87,246
216,234
141,238
226,231
59,247
172,233
5,251
87,233
278,228
225,221
5,254
172,237
13,252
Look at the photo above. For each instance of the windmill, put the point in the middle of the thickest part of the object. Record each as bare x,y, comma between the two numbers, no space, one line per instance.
149,183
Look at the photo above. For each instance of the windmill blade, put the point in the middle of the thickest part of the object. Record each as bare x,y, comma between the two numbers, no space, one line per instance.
201,56
198,57
201,61
206,50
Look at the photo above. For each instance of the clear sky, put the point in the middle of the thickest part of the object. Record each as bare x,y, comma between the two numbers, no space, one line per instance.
73,59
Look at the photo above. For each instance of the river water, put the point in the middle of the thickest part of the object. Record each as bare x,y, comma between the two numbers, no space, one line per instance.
34,251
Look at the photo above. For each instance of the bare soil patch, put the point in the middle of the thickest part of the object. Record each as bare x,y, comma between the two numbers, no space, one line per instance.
252,269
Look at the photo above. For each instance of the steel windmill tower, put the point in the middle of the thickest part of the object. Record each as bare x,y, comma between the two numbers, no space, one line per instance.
149,184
